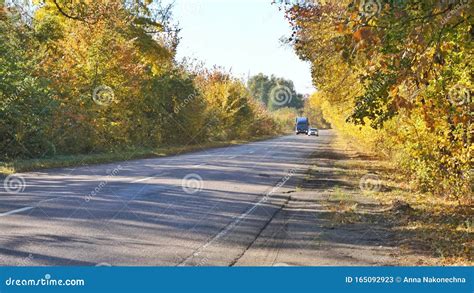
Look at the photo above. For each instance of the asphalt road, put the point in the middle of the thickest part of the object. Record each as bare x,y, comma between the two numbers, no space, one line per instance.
201,208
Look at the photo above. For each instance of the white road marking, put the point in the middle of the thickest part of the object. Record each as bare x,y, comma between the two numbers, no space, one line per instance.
58,197
50,199
143,179
150,177
225,231
16,211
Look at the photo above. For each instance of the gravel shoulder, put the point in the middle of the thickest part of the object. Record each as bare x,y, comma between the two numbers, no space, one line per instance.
330,219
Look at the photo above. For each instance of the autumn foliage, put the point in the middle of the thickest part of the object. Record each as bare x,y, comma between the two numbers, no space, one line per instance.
397,76
80,77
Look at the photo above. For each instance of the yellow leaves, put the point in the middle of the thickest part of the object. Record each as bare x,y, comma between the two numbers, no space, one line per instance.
341,28
354,16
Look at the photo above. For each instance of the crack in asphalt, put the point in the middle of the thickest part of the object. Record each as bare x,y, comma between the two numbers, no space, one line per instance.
235,260
227,229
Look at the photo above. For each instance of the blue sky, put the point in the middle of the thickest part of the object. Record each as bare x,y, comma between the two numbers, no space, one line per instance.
241,35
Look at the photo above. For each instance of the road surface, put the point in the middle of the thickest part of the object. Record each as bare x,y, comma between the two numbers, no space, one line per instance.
200,208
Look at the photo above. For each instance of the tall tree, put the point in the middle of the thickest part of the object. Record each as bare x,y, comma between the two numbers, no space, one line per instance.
275,92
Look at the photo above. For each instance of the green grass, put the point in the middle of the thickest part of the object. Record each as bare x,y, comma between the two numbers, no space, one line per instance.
341,195
17,166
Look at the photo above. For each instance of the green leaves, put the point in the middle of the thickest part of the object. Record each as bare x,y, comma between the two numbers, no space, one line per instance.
275,93
100,76
25,101
374,104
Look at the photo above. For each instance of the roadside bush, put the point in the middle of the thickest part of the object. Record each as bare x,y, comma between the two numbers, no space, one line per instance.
105,79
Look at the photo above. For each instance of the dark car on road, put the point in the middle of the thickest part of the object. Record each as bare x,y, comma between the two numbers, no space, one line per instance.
302,125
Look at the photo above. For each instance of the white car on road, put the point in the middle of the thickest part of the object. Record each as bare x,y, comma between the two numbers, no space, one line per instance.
313,131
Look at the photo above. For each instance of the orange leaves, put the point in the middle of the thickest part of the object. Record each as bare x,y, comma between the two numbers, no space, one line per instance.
394,91
365,36
361,34
341,28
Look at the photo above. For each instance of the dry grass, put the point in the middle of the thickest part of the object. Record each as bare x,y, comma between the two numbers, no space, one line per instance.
439,231
17,166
